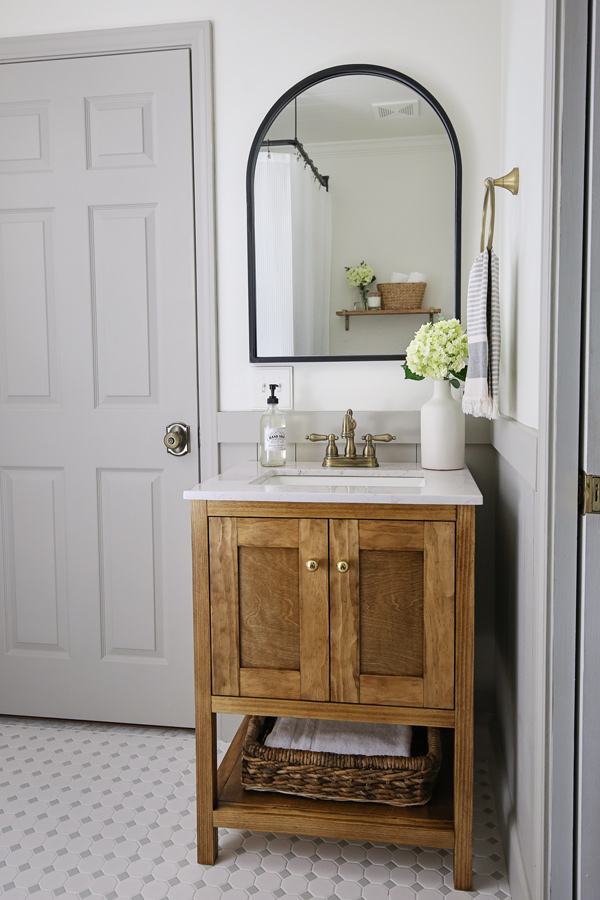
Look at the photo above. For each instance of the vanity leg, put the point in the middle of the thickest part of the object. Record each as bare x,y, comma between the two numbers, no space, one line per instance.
206,787
206,720
463,733
463,810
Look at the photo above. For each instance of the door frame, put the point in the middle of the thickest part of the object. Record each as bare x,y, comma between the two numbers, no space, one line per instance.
587,724
197,38
559,438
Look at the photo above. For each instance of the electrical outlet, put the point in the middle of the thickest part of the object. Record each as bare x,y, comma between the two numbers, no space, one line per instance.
260,379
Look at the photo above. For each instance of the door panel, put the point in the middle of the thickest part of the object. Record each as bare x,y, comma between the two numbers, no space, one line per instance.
269,611
392,613
97,356
269,603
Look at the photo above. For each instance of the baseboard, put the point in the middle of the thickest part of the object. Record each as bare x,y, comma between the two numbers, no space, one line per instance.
513,854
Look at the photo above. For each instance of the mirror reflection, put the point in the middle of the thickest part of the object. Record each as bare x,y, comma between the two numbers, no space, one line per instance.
357,168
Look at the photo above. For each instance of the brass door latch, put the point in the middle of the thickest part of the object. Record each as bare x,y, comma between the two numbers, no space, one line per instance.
589,493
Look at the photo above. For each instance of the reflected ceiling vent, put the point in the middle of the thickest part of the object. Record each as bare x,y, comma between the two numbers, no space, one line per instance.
404,108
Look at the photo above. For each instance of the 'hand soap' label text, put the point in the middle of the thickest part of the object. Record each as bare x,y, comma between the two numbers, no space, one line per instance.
274,438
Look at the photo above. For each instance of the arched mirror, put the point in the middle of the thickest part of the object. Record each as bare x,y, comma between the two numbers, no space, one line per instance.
354,164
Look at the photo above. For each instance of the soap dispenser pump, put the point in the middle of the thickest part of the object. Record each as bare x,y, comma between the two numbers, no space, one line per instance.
272,433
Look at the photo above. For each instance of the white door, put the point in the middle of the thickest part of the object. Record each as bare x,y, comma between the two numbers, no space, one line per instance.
97,357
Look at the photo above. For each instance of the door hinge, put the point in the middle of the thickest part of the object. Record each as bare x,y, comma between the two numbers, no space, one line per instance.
589,493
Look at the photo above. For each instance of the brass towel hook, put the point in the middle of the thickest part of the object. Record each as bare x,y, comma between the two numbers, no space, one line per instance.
511,183
489,193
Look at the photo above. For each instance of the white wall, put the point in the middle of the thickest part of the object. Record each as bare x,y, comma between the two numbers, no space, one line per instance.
520,219
523,244
263,47
395,210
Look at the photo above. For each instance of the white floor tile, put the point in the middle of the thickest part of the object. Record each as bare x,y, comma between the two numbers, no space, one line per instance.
107,811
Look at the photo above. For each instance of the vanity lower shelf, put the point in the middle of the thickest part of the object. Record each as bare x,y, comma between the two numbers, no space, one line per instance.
431,825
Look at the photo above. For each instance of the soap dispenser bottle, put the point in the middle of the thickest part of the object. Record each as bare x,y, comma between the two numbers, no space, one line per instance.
272,433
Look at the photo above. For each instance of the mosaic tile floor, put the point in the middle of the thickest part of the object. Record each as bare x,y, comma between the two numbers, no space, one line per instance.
108,811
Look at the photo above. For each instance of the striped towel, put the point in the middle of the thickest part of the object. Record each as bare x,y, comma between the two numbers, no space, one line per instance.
483,328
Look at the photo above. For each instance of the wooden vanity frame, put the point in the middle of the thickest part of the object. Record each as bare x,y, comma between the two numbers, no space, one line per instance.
447,821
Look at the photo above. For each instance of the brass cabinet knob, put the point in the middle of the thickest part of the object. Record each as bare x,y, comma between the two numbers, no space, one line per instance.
343,565
312,565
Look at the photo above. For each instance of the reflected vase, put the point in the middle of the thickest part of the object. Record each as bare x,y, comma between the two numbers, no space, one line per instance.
442,430
362,303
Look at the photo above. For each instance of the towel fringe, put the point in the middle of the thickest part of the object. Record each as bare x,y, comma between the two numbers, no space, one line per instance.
481,407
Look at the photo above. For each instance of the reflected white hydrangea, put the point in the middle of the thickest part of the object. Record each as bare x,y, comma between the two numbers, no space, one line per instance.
360,276
438,351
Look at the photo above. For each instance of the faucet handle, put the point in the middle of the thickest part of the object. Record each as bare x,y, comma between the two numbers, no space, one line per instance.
368,449
321,437
332,450
380,437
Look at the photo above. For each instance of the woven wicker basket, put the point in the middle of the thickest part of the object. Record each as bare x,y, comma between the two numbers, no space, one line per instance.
402,295
395,780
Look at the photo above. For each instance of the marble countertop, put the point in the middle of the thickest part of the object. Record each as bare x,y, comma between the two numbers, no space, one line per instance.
414,485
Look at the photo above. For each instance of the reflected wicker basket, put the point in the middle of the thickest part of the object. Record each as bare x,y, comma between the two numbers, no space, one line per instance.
402,295
395,780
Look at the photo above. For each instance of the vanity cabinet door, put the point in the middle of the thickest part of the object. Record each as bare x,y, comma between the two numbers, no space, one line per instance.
392,612
269,609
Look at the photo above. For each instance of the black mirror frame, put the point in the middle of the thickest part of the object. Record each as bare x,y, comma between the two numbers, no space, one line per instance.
324,75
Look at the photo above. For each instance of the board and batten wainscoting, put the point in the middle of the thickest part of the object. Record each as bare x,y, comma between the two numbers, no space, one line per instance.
519,629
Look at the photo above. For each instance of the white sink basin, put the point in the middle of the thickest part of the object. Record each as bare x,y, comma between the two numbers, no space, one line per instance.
329,479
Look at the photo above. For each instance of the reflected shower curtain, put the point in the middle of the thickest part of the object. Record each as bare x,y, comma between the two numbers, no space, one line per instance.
293,258
273,237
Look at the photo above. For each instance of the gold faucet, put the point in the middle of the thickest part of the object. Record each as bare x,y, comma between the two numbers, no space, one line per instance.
332,457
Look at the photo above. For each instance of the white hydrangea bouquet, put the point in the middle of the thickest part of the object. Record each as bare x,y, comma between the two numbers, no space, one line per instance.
360,276
438,351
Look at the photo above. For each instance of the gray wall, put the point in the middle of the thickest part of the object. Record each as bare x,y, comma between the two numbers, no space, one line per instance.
517,630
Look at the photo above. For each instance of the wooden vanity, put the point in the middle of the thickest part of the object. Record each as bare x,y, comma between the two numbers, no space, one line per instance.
380,630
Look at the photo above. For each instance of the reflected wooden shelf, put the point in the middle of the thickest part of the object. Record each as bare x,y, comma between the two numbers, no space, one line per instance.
431,311
431,825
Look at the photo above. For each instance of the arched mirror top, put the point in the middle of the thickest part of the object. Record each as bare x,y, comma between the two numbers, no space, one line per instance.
353,163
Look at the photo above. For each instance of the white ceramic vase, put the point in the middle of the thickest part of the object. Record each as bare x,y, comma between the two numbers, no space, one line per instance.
442,430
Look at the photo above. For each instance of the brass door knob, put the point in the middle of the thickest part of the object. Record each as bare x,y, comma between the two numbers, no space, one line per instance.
174,440
177,439
312,565
343,565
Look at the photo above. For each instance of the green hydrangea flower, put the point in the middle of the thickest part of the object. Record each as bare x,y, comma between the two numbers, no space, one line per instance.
438,351
360,276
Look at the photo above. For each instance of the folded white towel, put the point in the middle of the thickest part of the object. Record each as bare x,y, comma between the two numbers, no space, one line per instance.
398,277
325,736
417,276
